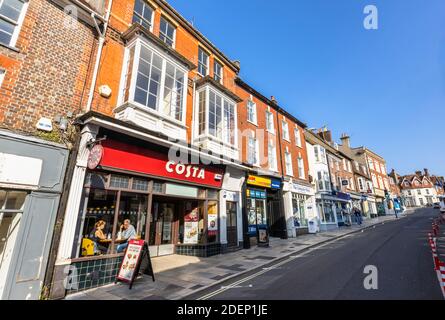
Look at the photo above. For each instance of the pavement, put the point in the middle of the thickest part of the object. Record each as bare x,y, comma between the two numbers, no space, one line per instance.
179,277
397,254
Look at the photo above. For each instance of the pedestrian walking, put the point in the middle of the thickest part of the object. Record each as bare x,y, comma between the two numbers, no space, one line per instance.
358,216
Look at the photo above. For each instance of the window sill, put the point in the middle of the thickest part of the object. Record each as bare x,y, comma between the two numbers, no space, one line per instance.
271,131
154,113
9,47
254,123
204,137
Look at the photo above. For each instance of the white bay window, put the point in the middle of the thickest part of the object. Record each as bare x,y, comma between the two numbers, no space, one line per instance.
154,84
217,116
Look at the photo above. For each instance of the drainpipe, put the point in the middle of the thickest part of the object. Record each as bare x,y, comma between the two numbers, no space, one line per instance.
102,35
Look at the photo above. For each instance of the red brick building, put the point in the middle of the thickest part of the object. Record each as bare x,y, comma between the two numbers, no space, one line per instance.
167,134
45,53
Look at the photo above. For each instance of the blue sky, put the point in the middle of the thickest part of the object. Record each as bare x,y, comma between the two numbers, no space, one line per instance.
385,87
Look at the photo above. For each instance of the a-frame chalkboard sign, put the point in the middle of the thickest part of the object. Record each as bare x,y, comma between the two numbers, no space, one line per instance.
136,261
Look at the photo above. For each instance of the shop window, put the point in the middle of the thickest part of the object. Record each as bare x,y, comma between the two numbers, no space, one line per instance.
191,229
299,211
327,212
119,182
212,194
158,187
100,234
212,221
98,222
140,185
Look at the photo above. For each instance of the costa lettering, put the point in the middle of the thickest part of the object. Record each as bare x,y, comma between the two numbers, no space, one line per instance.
185,170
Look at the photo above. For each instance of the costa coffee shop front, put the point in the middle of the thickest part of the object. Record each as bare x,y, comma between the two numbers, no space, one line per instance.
173,206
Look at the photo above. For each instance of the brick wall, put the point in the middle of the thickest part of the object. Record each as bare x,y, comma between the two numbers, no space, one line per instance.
45,76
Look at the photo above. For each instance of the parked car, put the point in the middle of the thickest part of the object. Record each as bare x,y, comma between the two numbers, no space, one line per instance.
437,205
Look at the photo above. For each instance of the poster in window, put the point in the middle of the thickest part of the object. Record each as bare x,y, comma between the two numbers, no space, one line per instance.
191,227
213,222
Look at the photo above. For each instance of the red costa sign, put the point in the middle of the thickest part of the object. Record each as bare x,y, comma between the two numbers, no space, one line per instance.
122,156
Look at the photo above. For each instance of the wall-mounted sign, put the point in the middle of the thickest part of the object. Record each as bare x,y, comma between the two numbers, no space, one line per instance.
275,184
95,156
264,182
301,189
132,158
18,170
259,181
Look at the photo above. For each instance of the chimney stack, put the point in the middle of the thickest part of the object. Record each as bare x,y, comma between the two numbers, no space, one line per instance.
237,63
272,98
418,173
345,140
427,173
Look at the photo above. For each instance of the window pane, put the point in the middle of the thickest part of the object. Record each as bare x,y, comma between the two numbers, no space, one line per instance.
6,31
15,200
98,223
120,182
131,219
11,9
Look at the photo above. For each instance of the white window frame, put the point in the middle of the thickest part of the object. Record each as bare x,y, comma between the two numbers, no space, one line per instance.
137,44
18,24
151,22
270,124
297,134
272,150
285,127
301,168
207,63
206,134
221,75
288,163
252,112
255,150
174,31
2,76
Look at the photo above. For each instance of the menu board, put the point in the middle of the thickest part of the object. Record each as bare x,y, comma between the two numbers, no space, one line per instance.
191,227
131,260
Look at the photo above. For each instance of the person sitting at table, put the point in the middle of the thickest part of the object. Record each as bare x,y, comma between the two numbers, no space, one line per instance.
128,232
99,235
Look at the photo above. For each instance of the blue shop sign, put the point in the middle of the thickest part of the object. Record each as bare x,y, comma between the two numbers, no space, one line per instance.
341,195
276,184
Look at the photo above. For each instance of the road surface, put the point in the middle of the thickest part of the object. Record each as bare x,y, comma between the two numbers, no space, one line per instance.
398,249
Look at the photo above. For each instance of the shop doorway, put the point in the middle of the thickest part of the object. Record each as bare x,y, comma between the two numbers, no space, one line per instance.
11,211
232,230
277,224
163,220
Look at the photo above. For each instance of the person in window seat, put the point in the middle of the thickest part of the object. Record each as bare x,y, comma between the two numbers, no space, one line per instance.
99,235
128,232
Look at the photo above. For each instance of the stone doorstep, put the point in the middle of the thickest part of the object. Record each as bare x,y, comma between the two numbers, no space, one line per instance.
169,263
